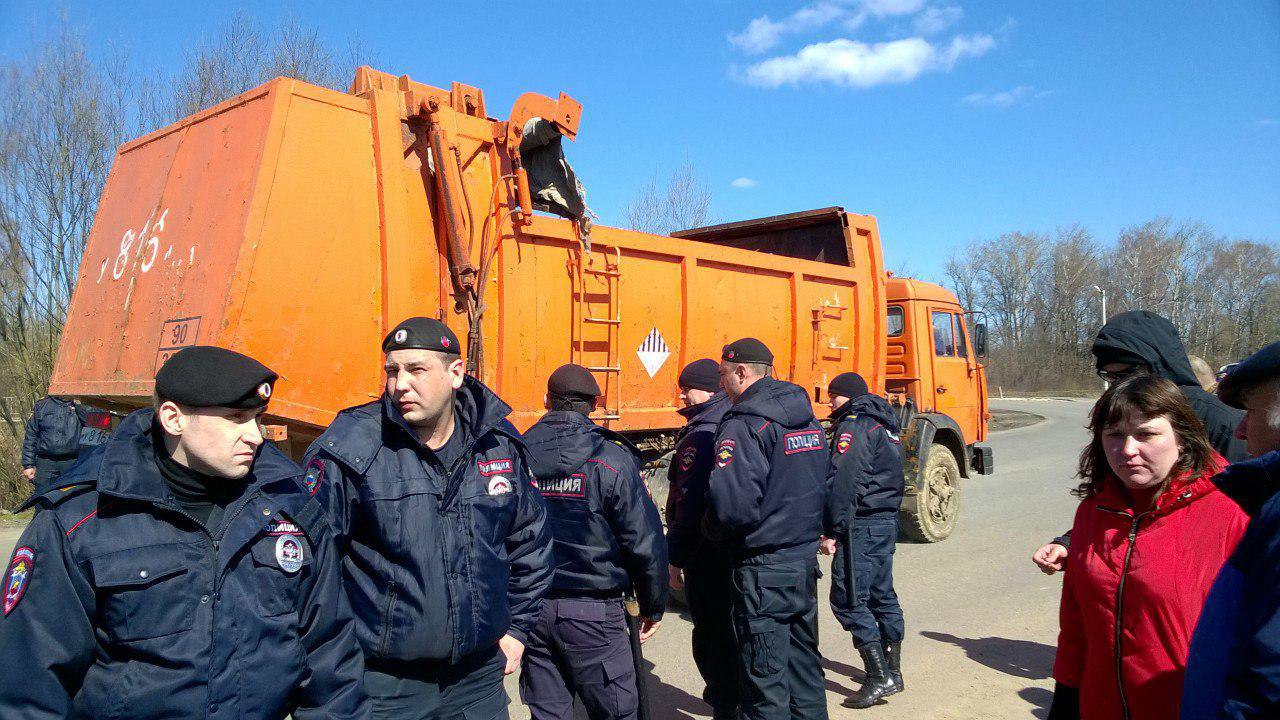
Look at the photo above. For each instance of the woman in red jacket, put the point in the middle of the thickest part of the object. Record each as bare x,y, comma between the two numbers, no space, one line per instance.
1149,537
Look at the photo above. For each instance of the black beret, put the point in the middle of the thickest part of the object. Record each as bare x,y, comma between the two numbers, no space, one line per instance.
420,333
701,374
1258,368
848,384
573,380
207,376
747,350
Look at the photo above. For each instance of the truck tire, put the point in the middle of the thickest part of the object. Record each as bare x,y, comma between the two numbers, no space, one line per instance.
930,515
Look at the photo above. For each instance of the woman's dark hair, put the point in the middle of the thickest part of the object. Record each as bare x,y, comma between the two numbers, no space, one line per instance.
571,403
1146,396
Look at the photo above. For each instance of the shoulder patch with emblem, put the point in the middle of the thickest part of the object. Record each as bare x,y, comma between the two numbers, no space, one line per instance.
843,442
18,577
499,485
311,480
687,457
724,452
494,467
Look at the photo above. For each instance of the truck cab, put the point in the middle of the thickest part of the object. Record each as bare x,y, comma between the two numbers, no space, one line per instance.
935,378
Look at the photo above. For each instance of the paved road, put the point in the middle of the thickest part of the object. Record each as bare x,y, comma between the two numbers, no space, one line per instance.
981,620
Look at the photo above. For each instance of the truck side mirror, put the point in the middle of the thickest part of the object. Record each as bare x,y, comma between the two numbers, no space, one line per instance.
980,339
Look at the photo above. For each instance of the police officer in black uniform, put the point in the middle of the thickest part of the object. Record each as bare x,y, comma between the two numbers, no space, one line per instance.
608,541
698,565
52,440
446,551
181,570
866,485
767,493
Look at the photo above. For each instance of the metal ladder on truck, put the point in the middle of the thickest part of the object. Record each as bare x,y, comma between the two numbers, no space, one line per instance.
589,317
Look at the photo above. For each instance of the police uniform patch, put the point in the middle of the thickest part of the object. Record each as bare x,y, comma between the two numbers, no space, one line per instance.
283,527
311,480
843,442
499,485
289,553
801,441
18,579
687,457
494,467
724,453
573,486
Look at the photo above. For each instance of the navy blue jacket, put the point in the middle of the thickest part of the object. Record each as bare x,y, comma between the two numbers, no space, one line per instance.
1233,669
769,482
53,431
865,477
608,535
436,565
120,605
690,471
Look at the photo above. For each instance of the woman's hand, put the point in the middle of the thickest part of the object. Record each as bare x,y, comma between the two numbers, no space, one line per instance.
1050,559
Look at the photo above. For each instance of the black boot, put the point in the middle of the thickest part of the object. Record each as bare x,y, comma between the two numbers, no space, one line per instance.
877,684
893,653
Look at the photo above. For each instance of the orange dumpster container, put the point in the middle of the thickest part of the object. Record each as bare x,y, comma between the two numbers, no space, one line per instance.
299,224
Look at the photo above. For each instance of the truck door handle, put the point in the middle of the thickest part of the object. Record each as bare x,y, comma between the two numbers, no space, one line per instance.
941,390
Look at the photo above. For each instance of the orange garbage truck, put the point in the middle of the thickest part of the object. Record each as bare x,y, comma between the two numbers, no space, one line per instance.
298,224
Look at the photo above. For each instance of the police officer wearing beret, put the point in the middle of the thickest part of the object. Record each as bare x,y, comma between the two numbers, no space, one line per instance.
699,565
446,551
767,492
181,570
866,483
608,542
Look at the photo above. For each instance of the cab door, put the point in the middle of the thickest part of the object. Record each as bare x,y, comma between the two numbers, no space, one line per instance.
953,370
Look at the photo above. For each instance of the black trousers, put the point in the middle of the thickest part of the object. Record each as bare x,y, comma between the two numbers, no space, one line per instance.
469,690
581,648
48,470
708,586
775,614
872,613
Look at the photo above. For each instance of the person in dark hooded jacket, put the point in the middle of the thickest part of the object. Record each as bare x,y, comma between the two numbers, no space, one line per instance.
865,491
699,565
446,551
766,499
608,542
1141,341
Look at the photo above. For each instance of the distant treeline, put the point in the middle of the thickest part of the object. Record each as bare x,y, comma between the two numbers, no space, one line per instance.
1042,295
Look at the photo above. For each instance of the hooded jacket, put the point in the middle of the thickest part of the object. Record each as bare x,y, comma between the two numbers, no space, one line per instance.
768,485
865,477
690,471
1133,591
120,605
608,535
437,565
1146,336
1233,671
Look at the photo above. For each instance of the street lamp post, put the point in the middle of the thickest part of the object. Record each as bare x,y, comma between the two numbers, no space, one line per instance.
1103,293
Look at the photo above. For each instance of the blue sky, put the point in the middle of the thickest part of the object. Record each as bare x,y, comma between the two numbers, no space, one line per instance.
949,120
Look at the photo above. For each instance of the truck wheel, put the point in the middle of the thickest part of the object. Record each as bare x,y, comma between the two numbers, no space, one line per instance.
930,515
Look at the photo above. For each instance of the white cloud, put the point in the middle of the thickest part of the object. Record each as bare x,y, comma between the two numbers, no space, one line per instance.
744,183
856,64
1005,98
936,19
764,33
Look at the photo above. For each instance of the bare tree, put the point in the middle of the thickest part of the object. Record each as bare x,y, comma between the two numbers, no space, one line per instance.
683,202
